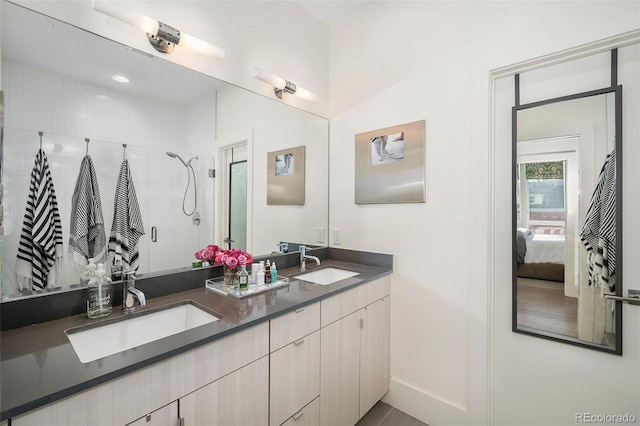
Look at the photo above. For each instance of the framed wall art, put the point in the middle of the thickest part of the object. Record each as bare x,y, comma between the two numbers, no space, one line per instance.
390,165
285,176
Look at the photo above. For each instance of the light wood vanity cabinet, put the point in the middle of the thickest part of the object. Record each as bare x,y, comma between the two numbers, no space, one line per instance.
295,363
238,399
326,363
354,360
374,353
164,416
131,397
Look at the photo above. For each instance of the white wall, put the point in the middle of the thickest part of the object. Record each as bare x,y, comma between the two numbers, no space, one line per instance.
397,62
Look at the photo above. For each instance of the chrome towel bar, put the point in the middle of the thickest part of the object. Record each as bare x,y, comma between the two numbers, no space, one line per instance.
633,299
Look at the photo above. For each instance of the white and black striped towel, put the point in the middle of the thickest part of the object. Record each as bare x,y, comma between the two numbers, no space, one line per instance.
127,223
87,237
599,230
40,250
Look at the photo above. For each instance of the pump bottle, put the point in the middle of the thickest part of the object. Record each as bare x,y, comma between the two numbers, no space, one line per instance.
99,304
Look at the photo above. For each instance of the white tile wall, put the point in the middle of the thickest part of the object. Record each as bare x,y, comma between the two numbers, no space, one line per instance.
68,110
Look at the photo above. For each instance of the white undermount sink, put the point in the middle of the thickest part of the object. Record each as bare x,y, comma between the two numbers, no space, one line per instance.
97,341
326,276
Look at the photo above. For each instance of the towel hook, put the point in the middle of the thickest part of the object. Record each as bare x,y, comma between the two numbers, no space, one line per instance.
87,141
40,133
124,151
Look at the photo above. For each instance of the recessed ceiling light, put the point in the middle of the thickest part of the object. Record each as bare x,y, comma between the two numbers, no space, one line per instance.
120,78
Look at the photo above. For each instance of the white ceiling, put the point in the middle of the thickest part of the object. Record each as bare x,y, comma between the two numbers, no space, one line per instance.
330,12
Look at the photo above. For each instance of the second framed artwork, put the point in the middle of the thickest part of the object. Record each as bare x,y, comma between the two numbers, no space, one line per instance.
285,176
390,165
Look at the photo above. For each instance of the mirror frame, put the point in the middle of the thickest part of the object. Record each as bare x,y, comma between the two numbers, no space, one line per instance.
617,90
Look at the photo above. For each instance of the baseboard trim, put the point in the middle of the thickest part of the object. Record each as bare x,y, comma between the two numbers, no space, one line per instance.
423,406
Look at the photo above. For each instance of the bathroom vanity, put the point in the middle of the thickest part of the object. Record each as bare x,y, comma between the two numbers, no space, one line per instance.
304,354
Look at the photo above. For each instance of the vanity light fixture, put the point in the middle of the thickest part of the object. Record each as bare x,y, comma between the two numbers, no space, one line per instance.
162,37
282,86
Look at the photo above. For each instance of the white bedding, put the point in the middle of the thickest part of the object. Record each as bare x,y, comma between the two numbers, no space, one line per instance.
545,248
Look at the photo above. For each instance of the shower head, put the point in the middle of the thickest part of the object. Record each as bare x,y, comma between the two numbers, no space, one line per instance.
190,170
173,155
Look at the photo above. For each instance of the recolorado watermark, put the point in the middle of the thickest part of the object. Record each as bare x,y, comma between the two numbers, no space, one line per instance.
605,418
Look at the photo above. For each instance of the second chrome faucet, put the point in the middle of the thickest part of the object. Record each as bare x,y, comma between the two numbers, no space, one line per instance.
130,293
304,256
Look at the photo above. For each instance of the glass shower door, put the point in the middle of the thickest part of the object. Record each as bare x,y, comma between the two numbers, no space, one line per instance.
237,237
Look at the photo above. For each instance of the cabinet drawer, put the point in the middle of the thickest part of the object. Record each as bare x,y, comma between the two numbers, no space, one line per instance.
165,416
294,325
308,416
343,304
294,378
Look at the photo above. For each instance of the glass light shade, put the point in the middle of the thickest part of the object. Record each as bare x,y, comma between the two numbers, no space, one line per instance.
202,47
122,13
273,80
306,95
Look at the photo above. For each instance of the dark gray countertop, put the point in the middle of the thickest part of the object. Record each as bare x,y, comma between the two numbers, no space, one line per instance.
40,366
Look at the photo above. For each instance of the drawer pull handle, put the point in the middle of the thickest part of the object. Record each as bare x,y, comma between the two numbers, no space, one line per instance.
298,342
297,415
299,310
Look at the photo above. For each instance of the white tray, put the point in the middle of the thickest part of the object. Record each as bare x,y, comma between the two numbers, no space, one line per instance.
217,285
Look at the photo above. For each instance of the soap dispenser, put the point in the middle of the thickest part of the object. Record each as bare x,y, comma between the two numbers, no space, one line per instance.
99,304
88,274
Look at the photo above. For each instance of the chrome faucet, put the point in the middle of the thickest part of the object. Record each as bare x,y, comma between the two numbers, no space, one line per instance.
304,256
130,293
282,249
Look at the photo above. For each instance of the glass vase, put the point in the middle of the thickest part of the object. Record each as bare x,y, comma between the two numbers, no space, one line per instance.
231,276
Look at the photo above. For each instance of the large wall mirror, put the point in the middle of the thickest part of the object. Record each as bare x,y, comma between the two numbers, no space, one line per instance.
59,79
567,218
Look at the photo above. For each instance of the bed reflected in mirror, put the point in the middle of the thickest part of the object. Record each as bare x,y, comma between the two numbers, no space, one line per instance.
565,210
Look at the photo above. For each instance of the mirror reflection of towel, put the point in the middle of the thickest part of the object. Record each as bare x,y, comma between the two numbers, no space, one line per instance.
87,234
40,247
127,226
599,230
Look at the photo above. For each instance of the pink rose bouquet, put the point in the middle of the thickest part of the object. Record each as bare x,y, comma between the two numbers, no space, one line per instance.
230,258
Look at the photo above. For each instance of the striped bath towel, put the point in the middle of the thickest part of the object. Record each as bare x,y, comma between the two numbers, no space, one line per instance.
40,250
127,223
87,235
599,231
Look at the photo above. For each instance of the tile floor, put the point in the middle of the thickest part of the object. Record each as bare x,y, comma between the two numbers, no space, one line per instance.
385,415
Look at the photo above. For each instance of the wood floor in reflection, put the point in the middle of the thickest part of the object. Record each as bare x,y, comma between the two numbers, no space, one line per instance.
543,305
